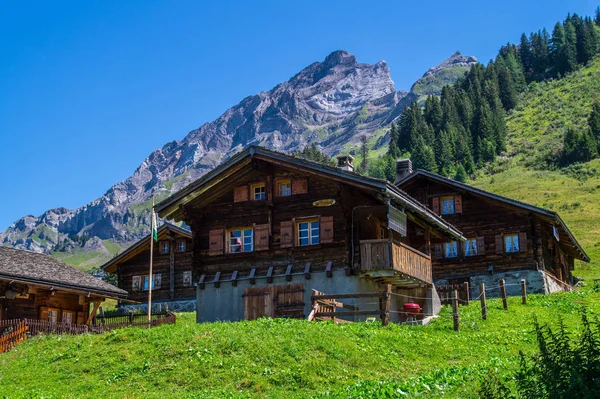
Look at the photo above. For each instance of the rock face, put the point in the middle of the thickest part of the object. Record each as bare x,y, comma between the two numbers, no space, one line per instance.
330,103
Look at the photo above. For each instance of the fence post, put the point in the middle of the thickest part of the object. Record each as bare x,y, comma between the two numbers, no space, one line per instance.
131,317
524,291
467,294
455,310
503,294
385,306
483,302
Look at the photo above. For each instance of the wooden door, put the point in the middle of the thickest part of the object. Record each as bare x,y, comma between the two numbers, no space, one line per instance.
258,302
289,300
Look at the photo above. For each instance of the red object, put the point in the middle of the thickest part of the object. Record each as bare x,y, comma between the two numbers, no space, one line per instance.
412,309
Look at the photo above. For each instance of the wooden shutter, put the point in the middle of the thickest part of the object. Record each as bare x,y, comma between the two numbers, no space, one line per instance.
240,194
458,204
261,237
80,318
522,242
135,283
435,205
500,244
157,281
44,313
286,238
299,186
326,224
215,242
480,246
438,251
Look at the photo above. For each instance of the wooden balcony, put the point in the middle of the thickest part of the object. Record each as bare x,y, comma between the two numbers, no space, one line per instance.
403,264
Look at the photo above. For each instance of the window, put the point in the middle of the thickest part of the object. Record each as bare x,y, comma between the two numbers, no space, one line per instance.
471,247
284,188
447,205
67,317
511,242
181,246
451,249
308,232
240,240
53,315
156,282
258,191
187,279
164,247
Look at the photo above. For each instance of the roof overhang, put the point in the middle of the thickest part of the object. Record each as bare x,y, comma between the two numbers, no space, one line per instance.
66,287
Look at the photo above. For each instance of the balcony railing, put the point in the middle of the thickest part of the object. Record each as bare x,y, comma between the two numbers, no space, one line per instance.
383,255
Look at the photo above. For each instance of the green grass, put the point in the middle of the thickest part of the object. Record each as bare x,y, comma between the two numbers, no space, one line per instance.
284,358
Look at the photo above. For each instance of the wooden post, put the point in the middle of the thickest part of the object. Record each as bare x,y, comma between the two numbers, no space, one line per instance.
503,294
467,294
483,302
455,310
524,291
385,317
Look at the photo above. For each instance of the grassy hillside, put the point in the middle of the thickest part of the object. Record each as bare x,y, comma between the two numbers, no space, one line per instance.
291,358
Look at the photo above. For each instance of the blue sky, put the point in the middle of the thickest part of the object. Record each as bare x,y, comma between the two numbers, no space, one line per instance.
89,88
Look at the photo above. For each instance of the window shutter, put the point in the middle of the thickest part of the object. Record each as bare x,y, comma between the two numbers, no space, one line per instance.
480,246
286,238
157,281
240,194
261,237
135,283
458,204
522,242
326,224
299,186
44,313
80,318
435,205
499,244
438,251
215,242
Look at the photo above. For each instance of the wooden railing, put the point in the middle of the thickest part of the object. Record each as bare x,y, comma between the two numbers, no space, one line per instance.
375,255
11,331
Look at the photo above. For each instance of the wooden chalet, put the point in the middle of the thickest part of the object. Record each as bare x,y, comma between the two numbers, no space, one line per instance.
269,228
37,287
506,239
172,270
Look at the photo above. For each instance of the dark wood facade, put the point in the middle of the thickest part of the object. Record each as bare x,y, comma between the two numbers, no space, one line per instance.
172,267
503,235
264,214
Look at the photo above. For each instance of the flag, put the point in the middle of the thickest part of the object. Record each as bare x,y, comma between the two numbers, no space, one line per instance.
154,227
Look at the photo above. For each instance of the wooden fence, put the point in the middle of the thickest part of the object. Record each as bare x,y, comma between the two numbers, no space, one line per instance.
445,293
325,306
15,331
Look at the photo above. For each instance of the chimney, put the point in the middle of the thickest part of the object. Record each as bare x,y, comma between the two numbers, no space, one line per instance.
345,162
403,168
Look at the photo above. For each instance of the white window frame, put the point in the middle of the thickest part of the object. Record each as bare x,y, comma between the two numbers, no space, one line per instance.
246,239
471,247
163,245
262,193
144,279
511,243
313,233
450,209
451,250
180,245
284,188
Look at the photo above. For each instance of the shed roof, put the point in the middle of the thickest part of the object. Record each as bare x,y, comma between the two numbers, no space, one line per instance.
544,214
171,207
35,268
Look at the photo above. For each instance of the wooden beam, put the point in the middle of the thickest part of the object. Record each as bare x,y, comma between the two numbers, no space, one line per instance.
172,245
328,271
93,313
270,275
216,281
251,276
201,281
344,296
288,273
307,271
234,278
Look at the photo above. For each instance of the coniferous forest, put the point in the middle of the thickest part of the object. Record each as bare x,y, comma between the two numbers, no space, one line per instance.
465,127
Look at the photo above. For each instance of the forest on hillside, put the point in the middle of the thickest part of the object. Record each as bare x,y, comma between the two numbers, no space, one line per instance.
465,128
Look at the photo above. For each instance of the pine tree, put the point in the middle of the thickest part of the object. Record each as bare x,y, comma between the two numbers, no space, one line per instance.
557,45
423,156
364,151
432,112
461,174
597,19
506,85
567,56
594,123
393,149
526,56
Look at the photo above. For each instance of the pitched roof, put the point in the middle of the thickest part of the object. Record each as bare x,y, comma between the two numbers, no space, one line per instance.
545,214
142,245
34,268
170,207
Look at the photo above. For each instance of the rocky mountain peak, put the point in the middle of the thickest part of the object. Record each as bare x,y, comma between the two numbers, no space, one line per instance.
455,60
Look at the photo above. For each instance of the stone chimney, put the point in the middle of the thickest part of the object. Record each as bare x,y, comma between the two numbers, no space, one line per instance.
403,169
345,162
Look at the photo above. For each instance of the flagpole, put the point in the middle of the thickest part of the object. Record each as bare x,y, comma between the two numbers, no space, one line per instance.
152,227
